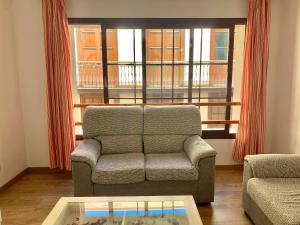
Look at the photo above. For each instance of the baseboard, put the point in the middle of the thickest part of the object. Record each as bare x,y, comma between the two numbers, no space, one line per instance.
45,170
13,180
230,167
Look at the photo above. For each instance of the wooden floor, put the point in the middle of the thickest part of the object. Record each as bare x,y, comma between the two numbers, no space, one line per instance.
31,199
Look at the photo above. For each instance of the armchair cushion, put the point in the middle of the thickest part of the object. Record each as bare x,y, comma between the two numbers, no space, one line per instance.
275,165
119,169
112,120
182,120
163,143
278,198
88,152
117,144
169,166
196,148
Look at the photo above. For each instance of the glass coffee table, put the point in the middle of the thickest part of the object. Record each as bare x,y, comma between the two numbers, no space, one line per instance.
143,210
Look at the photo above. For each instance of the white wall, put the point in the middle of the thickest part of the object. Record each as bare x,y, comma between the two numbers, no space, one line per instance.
284,80
29,41
157,8
12,143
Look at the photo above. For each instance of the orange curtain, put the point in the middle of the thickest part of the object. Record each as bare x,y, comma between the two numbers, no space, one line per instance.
60,104
251,132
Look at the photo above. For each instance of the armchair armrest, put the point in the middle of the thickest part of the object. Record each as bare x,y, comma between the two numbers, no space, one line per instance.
274,165
88,152
196,149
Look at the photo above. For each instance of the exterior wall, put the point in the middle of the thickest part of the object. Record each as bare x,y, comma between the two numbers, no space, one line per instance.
12,141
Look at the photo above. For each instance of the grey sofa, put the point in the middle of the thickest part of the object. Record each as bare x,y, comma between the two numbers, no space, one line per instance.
271,189
151,150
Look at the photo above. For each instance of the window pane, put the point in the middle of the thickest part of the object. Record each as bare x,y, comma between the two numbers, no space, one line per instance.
124,81
160,43
125,101
121,44
124,66
219,44
87,75
153,45
153,82
221,39
220,53
88,57
173,82
237,75
112,51
209,113
181,45
180,82
206,77
165,50
168,45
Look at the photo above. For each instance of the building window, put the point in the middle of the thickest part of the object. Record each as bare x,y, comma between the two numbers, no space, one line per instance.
135,61
221,45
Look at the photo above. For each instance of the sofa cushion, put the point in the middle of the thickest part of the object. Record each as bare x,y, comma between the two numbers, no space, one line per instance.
121,144
112,120
278,198
164,143
119,169
182,120
169,166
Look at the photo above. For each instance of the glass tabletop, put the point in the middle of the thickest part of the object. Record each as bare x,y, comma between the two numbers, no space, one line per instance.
124,213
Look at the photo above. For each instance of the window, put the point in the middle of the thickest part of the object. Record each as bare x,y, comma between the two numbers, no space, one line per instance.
140,61
221,45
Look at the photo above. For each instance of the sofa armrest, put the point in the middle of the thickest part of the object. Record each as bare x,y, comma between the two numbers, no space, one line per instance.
87,152
196,149
247,175
274,165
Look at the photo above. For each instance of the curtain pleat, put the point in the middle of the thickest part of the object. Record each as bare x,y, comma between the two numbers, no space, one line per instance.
61,133
251,133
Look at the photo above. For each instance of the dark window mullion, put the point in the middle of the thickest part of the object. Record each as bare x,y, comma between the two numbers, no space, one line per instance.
104,64
173,53
229,77
134,66
191,66
161,66
200,66
144,65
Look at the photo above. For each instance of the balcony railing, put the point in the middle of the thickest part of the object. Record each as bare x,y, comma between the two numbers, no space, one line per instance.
89,76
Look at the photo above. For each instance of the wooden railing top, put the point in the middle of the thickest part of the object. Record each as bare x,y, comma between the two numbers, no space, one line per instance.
177,103
203,122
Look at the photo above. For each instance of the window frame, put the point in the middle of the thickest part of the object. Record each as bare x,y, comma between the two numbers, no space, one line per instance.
170,23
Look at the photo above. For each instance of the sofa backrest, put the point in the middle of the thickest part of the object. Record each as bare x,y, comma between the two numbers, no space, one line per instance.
167,127
118,128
